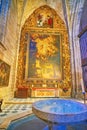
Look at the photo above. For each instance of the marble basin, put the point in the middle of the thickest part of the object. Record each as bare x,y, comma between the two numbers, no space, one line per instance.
60,110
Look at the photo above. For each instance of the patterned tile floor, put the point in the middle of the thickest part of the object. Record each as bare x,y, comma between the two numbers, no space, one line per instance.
11,109
16,106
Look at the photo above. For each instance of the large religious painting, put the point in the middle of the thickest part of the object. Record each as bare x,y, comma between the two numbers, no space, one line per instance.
4,73
44,59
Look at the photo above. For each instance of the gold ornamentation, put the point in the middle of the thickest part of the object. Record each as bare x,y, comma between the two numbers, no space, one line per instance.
59,27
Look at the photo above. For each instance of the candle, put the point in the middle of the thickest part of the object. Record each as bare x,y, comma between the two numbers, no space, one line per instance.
82,84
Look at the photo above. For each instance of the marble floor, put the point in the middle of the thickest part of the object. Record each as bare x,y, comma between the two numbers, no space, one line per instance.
17,108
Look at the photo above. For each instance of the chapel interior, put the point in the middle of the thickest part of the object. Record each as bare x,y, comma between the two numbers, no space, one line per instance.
43,50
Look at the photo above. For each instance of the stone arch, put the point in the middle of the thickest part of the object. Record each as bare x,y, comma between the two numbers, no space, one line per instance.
57,21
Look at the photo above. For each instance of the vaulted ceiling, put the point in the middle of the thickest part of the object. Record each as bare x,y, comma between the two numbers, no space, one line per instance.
26,7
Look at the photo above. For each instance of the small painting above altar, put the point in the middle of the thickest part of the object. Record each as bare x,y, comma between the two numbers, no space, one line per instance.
4,73
45,20
44,59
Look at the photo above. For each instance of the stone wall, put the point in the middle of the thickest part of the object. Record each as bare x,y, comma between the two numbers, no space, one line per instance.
8,54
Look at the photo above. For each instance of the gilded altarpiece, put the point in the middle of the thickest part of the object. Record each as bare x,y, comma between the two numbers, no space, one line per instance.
44,55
